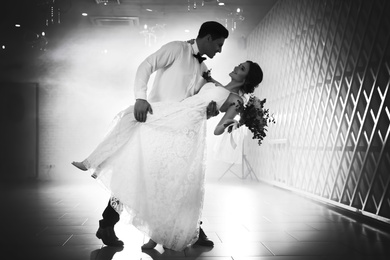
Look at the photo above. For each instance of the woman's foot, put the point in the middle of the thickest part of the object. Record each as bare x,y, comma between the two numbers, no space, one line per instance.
80,165
150,245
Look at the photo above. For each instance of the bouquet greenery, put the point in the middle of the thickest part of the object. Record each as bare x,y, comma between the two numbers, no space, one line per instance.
254,116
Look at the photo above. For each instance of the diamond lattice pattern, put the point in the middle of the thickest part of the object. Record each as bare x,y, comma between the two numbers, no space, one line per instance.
326,77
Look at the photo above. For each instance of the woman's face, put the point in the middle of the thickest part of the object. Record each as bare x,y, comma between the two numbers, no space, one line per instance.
240,72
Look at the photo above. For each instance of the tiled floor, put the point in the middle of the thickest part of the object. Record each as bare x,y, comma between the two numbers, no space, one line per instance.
247,220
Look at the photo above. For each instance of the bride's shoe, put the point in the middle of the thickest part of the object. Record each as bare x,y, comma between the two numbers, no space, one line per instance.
150,245
80,165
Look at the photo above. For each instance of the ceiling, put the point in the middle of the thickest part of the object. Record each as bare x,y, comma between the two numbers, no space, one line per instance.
46,15
60,19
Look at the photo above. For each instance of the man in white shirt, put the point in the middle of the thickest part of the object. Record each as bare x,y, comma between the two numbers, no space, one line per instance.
178,72
179,68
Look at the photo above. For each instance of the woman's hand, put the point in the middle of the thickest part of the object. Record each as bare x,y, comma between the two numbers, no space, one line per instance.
141,109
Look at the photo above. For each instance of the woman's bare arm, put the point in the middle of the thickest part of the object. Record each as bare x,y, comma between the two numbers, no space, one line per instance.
229,116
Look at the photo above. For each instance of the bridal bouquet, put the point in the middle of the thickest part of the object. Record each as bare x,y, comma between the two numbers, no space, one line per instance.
254,116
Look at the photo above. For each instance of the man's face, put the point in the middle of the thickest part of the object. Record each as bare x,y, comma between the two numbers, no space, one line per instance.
214,46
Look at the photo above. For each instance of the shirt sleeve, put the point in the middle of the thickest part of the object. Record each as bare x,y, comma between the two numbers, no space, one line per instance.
162,58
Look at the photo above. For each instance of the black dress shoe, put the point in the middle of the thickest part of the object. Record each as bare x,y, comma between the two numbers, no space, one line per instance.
203,240
107,235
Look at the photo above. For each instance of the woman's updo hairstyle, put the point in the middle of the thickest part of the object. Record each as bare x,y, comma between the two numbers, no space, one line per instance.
253,79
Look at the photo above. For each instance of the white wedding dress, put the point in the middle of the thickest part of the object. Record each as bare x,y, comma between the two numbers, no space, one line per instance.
155,170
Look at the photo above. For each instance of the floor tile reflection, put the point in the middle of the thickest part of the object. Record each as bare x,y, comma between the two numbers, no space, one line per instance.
247,220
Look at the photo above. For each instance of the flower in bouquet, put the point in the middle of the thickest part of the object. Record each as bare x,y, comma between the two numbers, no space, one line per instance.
207,75
254,116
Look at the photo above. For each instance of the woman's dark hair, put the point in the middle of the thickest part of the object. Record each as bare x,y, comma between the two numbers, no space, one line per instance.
215,29
253,79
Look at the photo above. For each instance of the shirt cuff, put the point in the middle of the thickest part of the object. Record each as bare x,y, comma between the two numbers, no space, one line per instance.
140,95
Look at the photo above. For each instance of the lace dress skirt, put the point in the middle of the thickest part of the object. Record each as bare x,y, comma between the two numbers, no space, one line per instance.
154,171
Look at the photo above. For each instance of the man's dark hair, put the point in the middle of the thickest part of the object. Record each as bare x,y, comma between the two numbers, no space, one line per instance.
215,29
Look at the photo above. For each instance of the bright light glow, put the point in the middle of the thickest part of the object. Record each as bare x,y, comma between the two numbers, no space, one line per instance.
221,3
145,26
238,10
17,25
149,10
43,33
84,14
186,31
3,47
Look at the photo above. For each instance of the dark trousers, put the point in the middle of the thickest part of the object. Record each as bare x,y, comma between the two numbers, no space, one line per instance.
110,217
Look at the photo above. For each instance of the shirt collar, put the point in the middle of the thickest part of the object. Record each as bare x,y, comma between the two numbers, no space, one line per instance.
195,48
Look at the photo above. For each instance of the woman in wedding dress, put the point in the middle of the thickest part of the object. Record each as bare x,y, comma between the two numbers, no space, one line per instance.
155,171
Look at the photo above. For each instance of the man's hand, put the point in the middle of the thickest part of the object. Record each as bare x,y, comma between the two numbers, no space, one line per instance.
212,109
141,109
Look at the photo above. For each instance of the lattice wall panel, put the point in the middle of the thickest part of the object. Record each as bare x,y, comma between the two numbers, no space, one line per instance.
327,76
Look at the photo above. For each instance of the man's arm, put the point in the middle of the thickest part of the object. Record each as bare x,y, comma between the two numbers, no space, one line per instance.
142,76
161,58
142,106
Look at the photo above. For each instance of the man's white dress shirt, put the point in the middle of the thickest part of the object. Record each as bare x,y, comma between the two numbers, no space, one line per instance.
178,73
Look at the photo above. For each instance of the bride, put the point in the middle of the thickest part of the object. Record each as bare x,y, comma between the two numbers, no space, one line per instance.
155,171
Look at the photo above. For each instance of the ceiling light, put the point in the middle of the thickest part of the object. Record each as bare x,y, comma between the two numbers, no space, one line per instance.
149,10
84,14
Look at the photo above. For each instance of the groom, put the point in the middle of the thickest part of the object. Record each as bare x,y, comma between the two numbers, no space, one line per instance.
179,67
